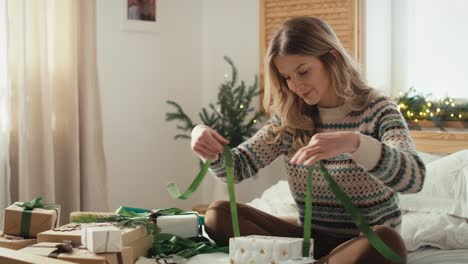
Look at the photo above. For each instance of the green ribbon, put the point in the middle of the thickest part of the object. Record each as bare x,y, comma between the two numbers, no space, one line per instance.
308,215
167,244
232,193
27,213
358,219
174,190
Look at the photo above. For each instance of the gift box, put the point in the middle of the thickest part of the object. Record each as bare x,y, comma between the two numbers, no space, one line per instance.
15,242
79,255
92,217
28,223
11,256
183,225
264,249
101,239
72,232
141,246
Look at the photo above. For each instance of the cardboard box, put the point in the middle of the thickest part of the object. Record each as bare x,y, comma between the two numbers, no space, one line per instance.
14,242
81,255
41,220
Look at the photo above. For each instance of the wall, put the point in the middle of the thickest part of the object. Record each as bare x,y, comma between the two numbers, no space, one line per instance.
138,72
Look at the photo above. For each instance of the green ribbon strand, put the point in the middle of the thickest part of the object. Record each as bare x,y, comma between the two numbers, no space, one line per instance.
359,220
308,215
174,190
27,213
232,193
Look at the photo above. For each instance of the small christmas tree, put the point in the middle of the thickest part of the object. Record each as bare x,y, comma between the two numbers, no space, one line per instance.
232,115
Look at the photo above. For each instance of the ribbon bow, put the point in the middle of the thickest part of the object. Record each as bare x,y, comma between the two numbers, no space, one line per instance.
65,247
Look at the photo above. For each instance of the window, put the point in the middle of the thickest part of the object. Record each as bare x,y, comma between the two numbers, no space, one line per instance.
417,43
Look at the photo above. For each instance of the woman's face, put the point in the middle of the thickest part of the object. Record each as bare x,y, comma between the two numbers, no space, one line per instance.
307,77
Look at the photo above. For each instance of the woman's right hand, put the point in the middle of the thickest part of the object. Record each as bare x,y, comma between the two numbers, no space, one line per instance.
206,142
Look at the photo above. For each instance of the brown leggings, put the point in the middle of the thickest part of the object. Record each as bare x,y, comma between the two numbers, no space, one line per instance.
328,248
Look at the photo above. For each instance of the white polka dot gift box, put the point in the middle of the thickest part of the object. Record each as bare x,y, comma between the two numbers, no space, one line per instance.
265,250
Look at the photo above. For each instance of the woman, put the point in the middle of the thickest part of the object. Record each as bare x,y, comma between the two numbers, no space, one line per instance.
322,111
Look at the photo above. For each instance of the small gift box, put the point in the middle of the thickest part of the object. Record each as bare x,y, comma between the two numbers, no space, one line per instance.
183,225
11,256
72,232
15,242
26,220
101,239
65,251
264,249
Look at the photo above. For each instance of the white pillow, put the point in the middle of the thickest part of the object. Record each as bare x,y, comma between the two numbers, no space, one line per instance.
445,188
436,230
428,157
276,200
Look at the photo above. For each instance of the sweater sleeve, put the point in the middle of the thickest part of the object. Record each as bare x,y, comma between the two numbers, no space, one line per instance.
392,157
250,156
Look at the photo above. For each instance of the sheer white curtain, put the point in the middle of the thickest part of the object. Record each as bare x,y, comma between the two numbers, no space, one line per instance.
4,115
417,43
56,148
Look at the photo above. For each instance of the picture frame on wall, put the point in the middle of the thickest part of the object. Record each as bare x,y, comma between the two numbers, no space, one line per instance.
140,15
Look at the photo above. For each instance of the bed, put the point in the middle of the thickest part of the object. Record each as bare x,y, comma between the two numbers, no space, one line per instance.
435,221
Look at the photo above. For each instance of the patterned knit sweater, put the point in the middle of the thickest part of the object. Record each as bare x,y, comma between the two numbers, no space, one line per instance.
385,163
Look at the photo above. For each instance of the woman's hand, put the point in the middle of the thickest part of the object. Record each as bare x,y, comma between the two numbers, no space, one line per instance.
206,142
325,146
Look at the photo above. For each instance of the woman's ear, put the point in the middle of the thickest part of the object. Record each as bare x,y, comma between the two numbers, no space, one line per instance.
334,53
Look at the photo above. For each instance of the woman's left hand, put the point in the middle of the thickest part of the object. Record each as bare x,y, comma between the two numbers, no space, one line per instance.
325,146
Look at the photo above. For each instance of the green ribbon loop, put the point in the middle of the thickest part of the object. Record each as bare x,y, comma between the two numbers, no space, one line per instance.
174,190
359,220
308,215
27,213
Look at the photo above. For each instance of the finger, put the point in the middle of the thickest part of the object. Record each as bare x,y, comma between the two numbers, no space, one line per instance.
204,151
220,138
215,143
306,153
312,160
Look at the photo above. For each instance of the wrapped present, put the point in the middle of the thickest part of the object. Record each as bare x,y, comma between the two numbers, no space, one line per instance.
141,246
72,232
27,219
15,242
183,225
101,239
67,252
11,256
92,217
264,249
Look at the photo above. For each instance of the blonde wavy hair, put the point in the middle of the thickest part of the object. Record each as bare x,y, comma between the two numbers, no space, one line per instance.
309,36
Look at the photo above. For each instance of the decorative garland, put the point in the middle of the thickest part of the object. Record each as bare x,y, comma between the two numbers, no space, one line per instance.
417,107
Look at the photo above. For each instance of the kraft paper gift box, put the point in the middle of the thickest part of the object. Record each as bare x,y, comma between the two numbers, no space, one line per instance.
101,239
14,242
184,225
73,232
10,256
264,249
41,220
80,255
141,246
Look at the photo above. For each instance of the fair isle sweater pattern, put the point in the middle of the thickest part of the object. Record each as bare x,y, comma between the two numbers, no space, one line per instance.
385,163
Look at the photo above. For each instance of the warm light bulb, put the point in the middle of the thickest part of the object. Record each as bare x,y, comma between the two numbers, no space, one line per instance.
241,106
438,110
460,116
451,115
427,111
431,114
453,104
416,120
429,104
254,121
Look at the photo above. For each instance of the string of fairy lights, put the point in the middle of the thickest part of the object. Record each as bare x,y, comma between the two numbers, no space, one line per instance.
416,107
